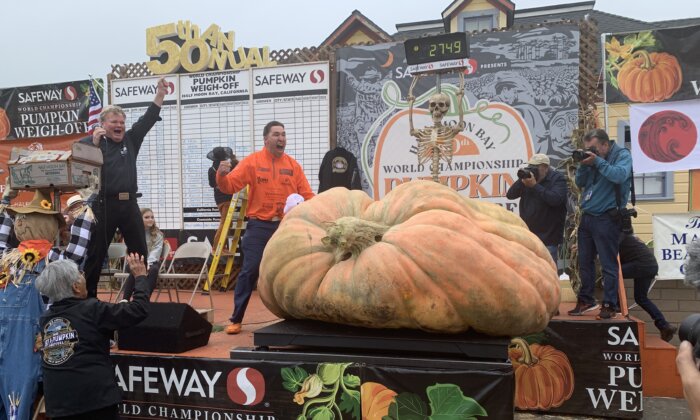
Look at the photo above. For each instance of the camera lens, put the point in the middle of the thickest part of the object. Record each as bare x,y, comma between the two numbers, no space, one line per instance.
690,328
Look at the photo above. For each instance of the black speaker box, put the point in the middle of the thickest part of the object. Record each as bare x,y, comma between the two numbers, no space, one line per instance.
169,328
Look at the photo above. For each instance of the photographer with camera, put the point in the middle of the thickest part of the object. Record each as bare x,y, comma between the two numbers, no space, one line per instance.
689,333
604,176
542,192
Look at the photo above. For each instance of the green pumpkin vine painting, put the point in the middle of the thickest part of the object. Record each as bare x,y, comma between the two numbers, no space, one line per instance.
330,392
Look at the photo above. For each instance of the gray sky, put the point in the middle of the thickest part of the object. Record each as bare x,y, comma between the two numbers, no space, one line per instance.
48,41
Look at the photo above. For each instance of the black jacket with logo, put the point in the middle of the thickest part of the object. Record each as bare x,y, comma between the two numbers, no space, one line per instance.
78,372
339,169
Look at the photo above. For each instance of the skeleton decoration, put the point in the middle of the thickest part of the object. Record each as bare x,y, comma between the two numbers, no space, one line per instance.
435,142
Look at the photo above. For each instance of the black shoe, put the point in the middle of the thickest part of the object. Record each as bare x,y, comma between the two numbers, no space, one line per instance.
607,312
582,308
668,332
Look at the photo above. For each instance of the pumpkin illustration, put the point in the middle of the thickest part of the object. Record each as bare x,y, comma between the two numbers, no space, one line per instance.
650,77
423,257
4,124
543,375
376,399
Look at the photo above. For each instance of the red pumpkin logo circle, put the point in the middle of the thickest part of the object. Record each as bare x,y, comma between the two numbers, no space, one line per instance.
668,136
245,386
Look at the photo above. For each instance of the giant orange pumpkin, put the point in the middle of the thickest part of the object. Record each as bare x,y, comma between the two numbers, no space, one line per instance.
543,375
4,124
423,257
650,77
376,399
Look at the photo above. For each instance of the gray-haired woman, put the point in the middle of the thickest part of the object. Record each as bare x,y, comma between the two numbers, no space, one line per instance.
75,334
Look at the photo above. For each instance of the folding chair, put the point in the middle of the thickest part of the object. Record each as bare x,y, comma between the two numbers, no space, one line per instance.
116,254
199,250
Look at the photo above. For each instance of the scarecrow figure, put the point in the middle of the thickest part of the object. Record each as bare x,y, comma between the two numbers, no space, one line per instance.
36,226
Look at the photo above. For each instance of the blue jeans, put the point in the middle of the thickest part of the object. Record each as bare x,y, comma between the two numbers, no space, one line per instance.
257,234
643,276
598,235
20,366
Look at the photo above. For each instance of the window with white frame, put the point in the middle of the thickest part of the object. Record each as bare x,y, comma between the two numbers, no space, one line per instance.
477,21
652,185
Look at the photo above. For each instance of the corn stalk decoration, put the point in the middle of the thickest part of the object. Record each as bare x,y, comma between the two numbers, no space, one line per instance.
588,120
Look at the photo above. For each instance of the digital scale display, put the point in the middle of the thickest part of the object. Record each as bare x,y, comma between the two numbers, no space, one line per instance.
452,46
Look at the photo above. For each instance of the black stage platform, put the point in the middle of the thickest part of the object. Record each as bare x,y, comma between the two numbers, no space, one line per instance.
345,339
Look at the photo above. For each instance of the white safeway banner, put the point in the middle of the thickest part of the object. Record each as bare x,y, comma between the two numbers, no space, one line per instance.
672,234
664,136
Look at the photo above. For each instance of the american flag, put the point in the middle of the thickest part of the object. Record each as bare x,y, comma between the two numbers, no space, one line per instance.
95,109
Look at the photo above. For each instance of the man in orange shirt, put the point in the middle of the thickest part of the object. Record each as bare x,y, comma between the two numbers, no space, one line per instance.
272,176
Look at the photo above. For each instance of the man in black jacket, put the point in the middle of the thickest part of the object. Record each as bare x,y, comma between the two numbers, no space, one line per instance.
116,206
542,192
79,377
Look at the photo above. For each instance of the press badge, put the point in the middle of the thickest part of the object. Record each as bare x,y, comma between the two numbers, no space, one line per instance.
588,195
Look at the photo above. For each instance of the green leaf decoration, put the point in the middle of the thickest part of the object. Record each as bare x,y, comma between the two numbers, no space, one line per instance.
630,39
350,403
351,381
447,402
293,378
321,413
407,406
329,372
646,39
613,83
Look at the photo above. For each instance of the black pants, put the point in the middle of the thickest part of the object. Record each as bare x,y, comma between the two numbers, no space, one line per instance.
112,214
151,277
107,413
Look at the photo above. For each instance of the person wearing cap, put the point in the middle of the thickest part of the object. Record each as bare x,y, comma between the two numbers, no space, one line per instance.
116,206
223,200
36,225
271,176
604,178
542,202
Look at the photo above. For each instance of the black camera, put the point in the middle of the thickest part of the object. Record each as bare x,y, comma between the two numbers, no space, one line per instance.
527,171
690,331
580,154
626,216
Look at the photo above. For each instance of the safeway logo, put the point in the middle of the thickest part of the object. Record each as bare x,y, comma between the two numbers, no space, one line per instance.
245,386
170,88
70,93
317,76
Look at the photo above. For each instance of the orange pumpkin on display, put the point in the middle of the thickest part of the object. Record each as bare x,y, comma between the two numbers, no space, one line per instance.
375,400
423,257
650,77
544,377
4,124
